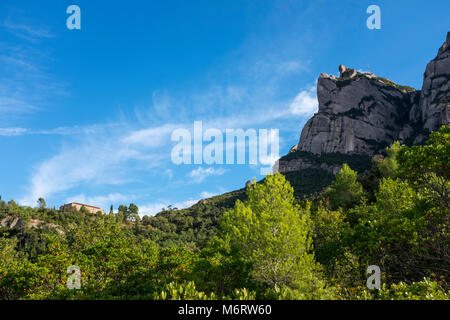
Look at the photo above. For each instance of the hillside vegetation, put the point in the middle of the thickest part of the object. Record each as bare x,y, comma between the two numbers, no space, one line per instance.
284,237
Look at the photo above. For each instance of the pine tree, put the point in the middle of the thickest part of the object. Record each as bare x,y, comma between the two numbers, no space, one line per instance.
345,191
274,234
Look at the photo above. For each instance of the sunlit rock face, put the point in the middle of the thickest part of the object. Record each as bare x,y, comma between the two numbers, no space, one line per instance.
361,113
435,95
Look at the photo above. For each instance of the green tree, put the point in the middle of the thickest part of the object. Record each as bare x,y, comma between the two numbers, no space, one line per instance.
122,213
428,167
389,165
386,167
41,203
12,204
400,234
133,212
7,251
345,191
274,234
84,210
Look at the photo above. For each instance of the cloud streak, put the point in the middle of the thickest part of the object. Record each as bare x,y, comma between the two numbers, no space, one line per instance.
62,131
26,86
305,103
150,209
200,174
103,153
9,132
29,32
241,94
100,157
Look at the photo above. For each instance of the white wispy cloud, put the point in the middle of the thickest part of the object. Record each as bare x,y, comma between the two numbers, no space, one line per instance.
30,32
104,156
200,174
103,152
26,85
151,137
151,209
305,103
12,131
18,60
243,93
64,131
277,68
9,105
169,173
207,194
101,156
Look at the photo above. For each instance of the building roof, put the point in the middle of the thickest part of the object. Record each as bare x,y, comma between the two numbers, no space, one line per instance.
84,205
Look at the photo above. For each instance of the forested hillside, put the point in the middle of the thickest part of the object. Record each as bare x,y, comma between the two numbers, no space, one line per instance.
302,235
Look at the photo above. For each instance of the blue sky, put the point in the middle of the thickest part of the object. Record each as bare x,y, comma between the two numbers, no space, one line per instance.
86,115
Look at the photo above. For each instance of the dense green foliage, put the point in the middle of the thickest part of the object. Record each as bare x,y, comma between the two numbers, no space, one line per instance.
263,242
272,234
357,162
309,181
345,191
194,226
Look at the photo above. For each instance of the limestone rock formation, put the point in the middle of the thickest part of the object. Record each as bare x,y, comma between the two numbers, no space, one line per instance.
303,163
361,113
12,222
16,222
435,95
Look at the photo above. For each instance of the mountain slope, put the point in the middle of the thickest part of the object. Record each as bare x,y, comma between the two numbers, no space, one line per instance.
359,115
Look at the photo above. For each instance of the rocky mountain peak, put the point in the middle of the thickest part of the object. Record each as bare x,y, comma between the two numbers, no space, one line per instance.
361,113
345,72
446,46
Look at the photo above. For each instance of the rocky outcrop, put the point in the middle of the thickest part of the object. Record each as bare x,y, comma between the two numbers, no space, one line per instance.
16,222
435,95
361,113
329,162
12,222
303,163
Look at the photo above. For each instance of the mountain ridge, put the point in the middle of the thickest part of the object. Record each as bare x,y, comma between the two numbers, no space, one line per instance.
310,172
359,113
362,113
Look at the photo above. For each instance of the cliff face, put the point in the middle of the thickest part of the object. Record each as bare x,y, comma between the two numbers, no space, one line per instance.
435,95
360,113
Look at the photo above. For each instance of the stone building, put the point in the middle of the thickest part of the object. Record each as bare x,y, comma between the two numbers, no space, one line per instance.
77,206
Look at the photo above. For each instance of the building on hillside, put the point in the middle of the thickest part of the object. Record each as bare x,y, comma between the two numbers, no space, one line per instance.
77,206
